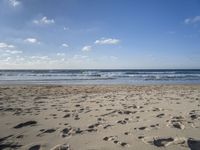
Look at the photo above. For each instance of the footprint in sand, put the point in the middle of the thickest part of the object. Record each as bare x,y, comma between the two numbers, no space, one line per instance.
125,112
153,126
191,143
5,138
115,140
9,146
158,141
176,122
6,143
160,115
107,126
94,125
76,117
66,116
128,133
140,137
66,132
156,109
35,147
46,131
162,141
194,114
140,128
61,147
28,123
177,125
122,121
20,136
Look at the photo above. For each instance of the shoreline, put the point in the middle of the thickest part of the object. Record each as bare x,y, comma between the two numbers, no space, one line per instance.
108,84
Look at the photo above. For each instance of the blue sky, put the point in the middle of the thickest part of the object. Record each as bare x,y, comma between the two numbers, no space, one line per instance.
73,34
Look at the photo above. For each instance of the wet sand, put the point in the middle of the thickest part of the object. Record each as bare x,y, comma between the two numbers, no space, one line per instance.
100,117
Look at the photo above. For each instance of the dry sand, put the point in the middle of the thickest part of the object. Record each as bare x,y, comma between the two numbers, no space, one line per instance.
100,117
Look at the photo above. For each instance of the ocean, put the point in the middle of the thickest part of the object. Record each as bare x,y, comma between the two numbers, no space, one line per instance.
161,76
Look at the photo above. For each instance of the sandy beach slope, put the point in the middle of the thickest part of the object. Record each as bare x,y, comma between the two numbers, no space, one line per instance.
98,117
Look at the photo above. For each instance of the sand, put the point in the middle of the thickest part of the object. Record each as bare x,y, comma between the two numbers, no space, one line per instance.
100,117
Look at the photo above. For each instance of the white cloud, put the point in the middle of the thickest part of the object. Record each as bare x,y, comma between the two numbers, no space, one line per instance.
20,58
44,20
40,57
187,21
87,48
75,61
60,54
192,20
14,3
108,41
13,51
79,57
7,59
8,49
65,45
5,45
32,40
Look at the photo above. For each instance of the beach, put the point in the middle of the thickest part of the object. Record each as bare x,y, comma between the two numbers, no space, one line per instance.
99,75
100,117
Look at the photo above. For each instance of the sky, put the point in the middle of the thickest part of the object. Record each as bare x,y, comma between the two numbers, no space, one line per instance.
99,34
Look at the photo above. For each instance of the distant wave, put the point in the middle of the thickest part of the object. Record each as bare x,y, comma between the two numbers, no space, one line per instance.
115,75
